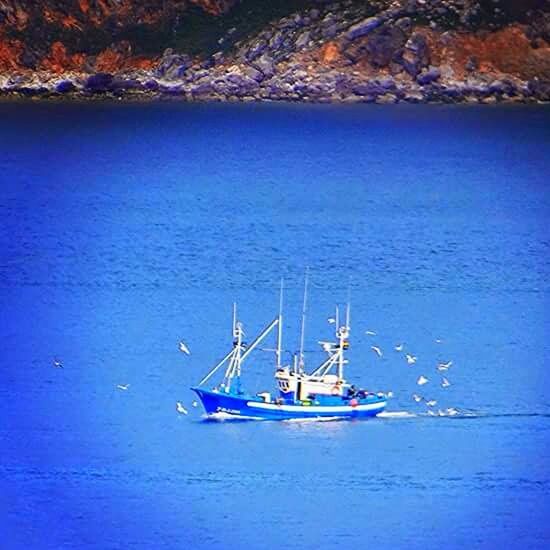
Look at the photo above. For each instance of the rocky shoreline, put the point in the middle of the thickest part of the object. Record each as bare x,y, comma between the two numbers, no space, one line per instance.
377,52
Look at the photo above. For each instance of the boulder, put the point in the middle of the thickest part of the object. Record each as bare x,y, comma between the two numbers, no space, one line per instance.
384,44
539,89
428,76
276,41
252,72
151,85
363,27
121,84
172,66
257,48
99,82
303,40
416,54
202,88
65,86
266,65
235,84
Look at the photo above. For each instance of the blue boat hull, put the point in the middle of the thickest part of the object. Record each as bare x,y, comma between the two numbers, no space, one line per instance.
251,407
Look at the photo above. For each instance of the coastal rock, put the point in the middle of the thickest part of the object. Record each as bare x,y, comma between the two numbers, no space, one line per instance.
99,82
256,50
428,75
253,73
363,28
539,89
412,50
303,40
384,44
265,65
172,66
416,54
65,86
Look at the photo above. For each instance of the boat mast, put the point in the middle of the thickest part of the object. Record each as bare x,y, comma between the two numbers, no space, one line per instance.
343,335
302,335
280,326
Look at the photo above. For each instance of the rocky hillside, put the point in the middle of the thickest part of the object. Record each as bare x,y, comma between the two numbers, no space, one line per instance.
302,50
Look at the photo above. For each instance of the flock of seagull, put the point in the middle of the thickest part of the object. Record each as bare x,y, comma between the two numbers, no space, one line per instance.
123,387
422,380
411,360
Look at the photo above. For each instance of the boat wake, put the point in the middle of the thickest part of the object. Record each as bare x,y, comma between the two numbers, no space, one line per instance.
225,417
396,414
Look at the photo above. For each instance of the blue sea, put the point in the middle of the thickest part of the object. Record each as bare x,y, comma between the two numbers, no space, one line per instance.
126,228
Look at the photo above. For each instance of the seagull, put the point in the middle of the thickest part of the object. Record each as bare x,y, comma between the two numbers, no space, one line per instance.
431,403
421,380
123,386
195,404
180,408
184,348
327,346
444,366
438,341
376,350
445,383
370,333
411,359
331,320
417,398
399,347
57,364
389,394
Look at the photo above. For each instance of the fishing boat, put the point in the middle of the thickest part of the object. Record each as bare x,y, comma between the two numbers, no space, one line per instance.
322,393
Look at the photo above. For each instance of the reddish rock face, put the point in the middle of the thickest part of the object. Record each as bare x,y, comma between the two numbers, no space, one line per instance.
10,54
506,51
215,7
42,26
58,61
330,53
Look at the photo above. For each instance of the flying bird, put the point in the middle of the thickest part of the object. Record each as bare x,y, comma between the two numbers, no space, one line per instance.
184,348
444,366
376,350
123,386
389,394
445,383
411,359
417,398
370,333
331,320
422,380
399,347
327,346
438,341
57,364
195,404
431,402
180,408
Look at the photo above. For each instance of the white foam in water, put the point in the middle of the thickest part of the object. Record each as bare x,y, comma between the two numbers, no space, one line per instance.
221,416
317,419
396,414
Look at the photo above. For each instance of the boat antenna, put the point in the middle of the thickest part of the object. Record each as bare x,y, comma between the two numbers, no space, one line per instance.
348,304
280,325
302,336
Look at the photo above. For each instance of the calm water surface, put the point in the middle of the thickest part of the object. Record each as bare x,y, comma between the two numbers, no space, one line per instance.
125,228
